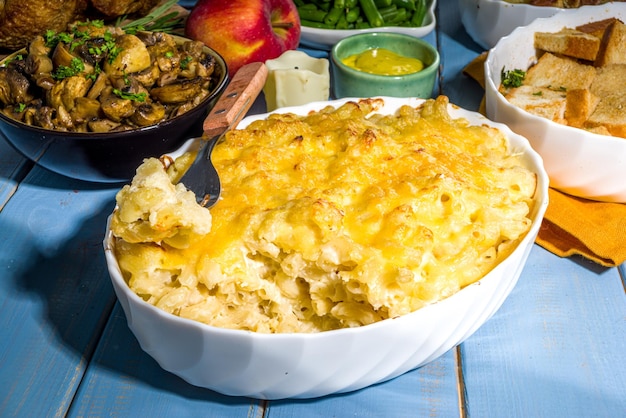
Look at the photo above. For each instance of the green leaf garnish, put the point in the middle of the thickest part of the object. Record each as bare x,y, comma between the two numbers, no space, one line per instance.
77,66
137,97
156,21
184,63
513,78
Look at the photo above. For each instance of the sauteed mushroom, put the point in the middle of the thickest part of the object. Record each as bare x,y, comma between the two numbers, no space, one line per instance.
95,78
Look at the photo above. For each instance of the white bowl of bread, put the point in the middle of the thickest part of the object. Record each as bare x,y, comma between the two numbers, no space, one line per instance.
570,104
350,245
486,21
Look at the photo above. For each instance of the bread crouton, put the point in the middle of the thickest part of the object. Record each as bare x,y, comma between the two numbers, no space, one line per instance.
539,101
610,79
579,105
569,42
610,113
600,130
613,46
597,28
557,73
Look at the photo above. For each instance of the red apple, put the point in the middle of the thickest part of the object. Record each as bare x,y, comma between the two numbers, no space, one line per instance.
245,31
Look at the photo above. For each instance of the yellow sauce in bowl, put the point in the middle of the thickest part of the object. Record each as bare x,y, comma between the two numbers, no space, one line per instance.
382,61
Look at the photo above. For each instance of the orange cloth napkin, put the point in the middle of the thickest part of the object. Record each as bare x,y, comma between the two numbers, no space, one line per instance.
572,225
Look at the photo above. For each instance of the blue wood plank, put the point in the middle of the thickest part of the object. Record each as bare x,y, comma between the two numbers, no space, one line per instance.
457,50
430,391
556,347
13,168
124,381
54,294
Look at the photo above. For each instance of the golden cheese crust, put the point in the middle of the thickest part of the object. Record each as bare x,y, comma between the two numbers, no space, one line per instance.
341,218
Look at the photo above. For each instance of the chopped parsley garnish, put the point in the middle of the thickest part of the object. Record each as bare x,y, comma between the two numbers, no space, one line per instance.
52,38
184,63
137,97
96,23
18,57
77,66
513,78
110,46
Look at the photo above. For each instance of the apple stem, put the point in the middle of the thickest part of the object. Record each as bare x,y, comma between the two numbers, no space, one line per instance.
282,25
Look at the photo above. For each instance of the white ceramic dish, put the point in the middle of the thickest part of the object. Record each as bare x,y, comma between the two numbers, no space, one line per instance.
579,163
275,366
326,38
486,21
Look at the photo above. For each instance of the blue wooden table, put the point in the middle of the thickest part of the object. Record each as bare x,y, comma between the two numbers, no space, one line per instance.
555,348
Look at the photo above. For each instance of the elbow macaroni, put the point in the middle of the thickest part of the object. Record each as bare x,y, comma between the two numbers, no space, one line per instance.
340,218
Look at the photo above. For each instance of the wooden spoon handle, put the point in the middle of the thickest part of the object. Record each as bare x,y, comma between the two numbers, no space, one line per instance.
236,100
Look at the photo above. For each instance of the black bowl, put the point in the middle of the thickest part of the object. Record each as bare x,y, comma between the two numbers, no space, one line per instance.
109,157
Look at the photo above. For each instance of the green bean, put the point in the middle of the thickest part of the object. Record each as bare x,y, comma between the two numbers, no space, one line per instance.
407,4
332,16
388,12
353,14
312,24
400,16
342,23
322,5
371,13
312,15
382,3
420,12
345,14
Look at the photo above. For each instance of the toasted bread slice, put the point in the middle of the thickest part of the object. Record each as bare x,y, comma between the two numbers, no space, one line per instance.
600,130
579,105
556,73
598,27
613,46
610,79
610,114
539,101
569,42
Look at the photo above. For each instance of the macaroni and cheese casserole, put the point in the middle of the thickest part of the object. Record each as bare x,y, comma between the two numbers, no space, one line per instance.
339,218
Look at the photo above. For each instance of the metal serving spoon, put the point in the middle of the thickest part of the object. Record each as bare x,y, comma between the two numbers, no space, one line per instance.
201,177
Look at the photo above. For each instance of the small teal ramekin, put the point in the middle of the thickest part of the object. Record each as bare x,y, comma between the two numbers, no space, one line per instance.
349,82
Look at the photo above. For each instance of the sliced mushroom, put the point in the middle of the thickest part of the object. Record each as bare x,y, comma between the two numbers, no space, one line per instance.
102,125
98,86
85,109
116,108
38,64
179,92
45,81
14,87
62,55
65,92
63,119
167,78
148,77
38,46
43,117
93,50
187,106
133,57
148,114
